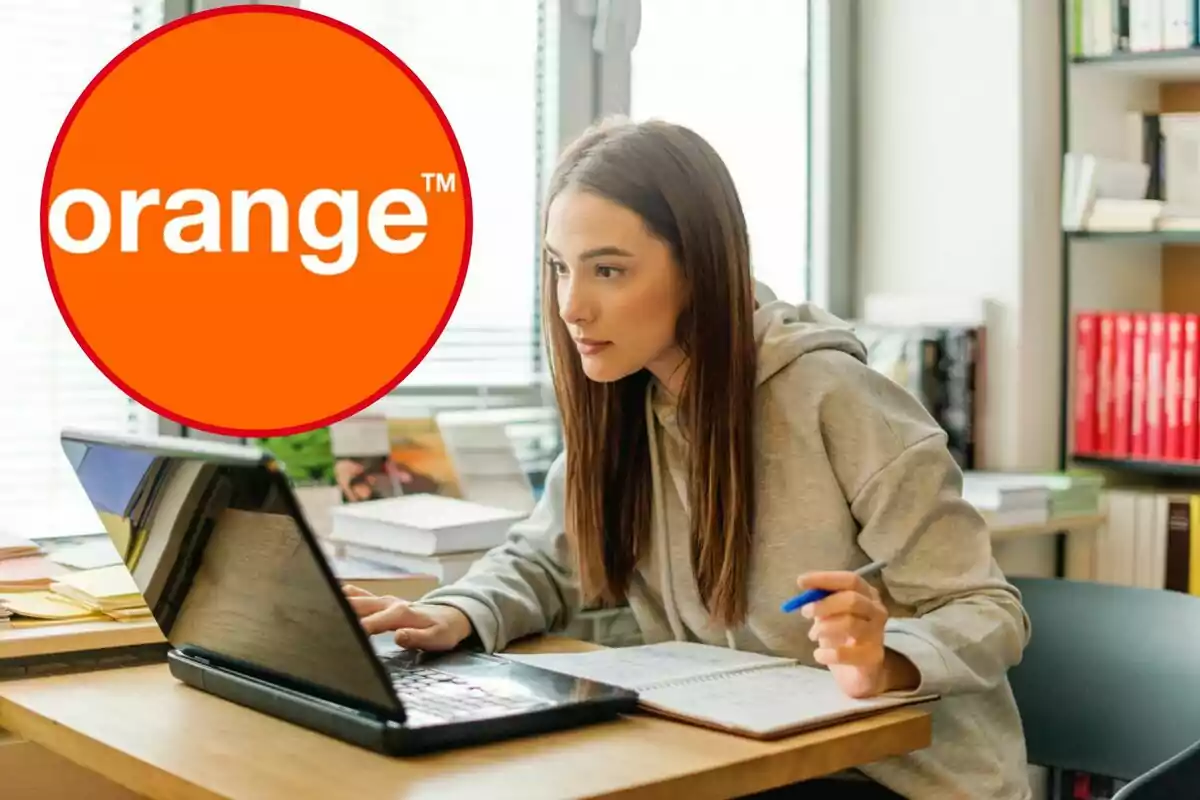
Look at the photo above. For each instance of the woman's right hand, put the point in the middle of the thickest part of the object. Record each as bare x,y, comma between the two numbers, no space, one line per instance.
421,628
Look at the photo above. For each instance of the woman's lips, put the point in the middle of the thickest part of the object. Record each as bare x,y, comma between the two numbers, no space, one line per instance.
589,347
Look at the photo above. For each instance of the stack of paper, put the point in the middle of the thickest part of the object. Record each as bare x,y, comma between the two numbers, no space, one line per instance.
28,573
42,608
110,590
15,547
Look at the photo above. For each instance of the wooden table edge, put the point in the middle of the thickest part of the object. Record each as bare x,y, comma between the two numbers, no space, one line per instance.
75,637
130,771
911,730
908,730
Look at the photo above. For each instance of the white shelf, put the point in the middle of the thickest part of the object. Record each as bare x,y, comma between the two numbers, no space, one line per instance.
1166,65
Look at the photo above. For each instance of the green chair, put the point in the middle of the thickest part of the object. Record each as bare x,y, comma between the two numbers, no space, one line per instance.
1173,780
1110,682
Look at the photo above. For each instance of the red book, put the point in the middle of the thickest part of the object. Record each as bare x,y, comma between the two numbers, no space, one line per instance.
1122,384
1137,415
1173,390
1191,366
1104,384
1156,368
1086,353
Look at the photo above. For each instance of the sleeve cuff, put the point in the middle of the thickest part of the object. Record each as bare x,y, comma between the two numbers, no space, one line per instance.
483,621
925,656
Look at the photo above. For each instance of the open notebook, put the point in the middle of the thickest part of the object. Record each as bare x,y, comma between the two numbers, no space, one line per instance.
763,697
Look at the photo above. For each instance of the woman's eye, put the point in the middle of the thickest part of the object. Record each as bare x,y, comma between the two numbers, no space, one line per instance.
607,272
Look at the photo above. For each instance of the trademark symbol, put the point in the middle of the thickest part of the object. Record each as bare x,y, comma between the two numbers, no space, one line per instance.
440,182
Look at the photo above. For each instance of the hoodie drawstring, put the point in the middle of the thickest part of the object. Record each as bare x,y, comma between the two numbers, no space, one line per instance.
660,525
661,539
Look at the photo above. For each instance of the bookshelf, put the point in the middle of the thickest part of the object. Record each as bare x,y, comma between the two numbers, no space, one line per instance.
1156,237
1133,271
1158,65
1162,469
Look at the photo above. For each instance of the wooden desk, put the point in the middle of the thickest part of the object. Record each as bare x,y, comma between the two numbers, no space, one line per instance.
76,637
143,729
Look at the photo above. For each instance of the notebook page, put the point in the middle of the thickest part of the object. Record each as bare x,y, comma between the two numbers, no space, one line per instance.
766,702
645,666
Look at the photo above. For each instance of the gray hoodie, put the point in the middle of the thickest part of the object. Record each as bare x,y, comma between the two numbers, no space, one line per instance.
850,469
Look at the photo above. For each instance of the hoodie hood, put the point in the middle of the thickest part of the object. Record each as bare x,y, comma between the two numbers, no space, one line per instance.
784,332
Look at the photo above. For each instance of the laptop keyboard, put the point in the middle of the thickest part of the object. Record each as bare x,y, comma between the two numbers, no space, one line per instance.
431,697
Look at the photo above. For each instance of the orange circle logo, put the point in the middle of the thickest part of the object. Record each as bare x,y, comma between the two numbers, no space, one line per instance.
256,220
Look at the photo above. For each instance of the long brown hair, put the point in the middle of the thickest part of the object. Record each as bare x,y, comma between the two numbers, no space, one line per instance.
679,186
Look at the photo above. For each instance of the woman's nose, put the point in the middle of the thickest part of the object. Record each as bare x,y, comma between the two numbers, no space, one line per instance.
572,302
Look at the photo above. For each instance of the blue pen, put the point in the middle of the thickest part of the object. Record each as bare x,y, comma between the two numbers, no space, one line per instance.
813,595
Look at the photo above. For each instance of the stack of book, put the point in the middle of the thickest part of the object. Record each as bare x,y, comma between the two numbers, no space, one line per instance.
1034,498
1068,494
424,534
1006,505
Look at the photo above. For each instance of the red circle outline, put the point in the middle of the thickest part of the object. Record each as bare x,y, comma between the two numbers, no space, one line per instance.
389,385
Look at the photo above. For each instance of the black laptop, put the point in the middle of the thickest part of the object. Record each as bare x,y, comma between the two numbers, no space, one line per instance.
234,576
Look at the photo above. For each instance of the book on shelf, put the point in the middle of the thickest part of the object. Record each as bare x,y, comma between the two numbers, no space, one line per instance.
375,455
1154,187
1150,539
1117,188
1136,385
752,695
942,365
1099,28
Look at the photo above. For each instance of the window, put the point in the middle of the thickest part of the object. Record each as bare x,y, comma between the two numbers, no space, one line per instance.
49,51
737,73
480,59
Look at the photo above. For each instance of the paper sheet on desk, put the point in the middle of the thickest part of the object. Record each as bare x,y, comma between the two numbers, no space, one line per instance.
766,702
90,555
640,668
746,693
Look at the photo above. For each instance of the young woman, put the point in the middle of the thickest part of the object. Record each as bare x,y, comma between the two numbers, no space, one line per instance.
722,454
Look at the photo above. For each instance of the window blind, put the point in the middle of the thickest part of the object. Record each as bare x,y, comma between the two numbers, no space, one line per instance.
482,62
49,51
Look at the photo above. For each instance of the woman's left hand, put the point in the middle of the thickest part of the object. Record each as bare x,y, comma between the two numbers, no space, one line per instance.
848,629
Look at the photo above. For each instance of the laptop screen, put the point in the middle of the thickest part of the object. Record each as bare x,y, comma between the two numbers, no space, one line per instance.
213,540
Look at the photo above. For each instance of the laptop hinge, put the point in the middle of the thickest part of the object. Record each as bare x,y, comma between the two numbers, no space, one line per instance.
271,678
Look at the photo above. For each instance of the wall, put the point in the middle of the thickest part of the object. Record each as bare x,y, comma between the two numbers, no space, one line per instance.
958,143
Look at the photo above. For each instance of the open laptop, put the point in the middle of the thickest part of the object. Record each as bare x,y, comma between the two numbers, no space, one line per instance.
216,542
